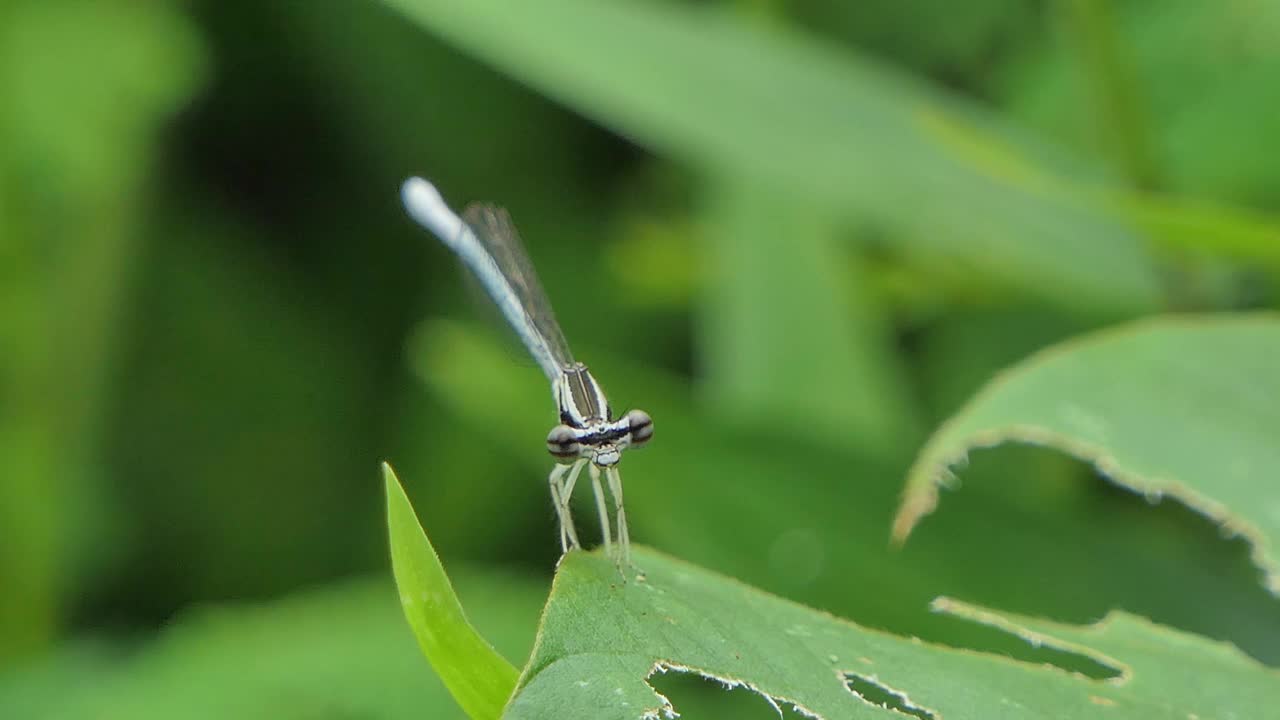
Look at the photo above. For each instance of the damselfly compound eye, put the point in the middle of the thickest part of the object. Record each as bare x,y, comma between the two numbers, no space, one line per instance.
641,427
562,442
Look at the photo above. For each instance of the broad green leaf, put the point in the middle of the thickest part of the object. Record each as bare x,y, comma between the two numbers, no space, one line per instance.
602,639
809,120
332,653
479,678
1178,406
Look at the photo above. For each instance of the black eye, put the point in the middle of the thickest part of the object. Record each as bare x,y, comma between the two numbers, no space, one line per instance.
562,442
641,426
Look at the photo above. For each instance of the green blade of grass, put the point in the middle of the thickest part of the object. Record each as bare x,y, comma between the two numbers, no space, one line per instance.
479,678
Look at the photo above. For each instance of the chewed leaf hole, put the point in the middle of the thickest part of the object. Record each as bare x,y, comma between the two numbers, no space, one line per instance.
978,637
873,693
695,695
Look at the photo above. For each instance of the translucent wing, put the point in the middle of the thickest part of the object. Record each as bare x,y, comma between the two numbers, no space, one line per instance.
497,235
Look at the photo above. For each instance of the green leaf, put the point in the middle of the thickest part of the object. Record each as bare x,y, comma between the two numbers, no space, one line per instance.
479,678
925,34
602,639
1180,406
1237,233
812,121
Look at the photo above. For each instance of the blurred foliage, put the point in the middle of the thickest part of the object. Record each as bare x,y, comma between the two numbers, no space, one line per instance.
340,652
83,103
808,230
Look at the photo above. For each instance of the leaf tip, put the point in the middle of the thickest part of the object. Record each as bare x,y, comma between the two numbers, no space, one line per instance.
915,504
395,489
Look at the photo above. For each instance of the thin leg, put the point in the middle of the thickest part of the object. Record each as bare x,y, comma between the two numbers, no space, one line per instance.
557,495
624,537
601,506
566,494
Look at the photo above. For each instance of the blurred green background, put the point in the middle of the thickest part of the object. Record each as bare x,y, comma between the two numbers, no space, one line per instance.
799,233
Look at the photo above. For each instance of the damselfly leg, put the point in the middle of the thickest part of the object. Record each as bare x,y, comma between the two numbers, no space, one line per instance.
624,537
560,494
602,507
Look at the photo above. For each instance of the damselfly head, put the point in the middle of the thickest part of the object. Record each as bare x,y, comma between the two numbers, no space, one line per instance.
602,442
606,455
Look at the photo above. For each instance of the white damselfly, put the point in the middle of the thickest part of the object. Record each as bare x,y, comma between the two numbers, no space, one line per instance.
587,435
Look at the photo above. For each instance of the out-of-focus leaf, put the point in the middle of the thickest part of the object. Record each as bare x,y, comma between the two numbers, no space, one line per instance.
1233,232
1180,94
789,335
601,640
479,678
332,654
1183,407
808,120
1118,108
964,347
238,371
32,688
86,86
924,34
449,118
1205,74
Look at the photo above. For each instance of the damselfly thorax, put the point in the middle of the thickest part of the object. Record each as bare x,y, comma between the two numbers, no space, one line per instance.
587,428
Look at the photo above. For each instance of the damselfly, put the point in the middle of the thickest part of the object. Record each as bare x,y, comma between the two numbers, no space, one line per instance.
587,435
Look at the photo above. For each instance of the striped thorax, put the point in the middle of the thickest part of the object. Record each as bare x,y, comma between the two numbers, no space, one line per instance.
587,428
